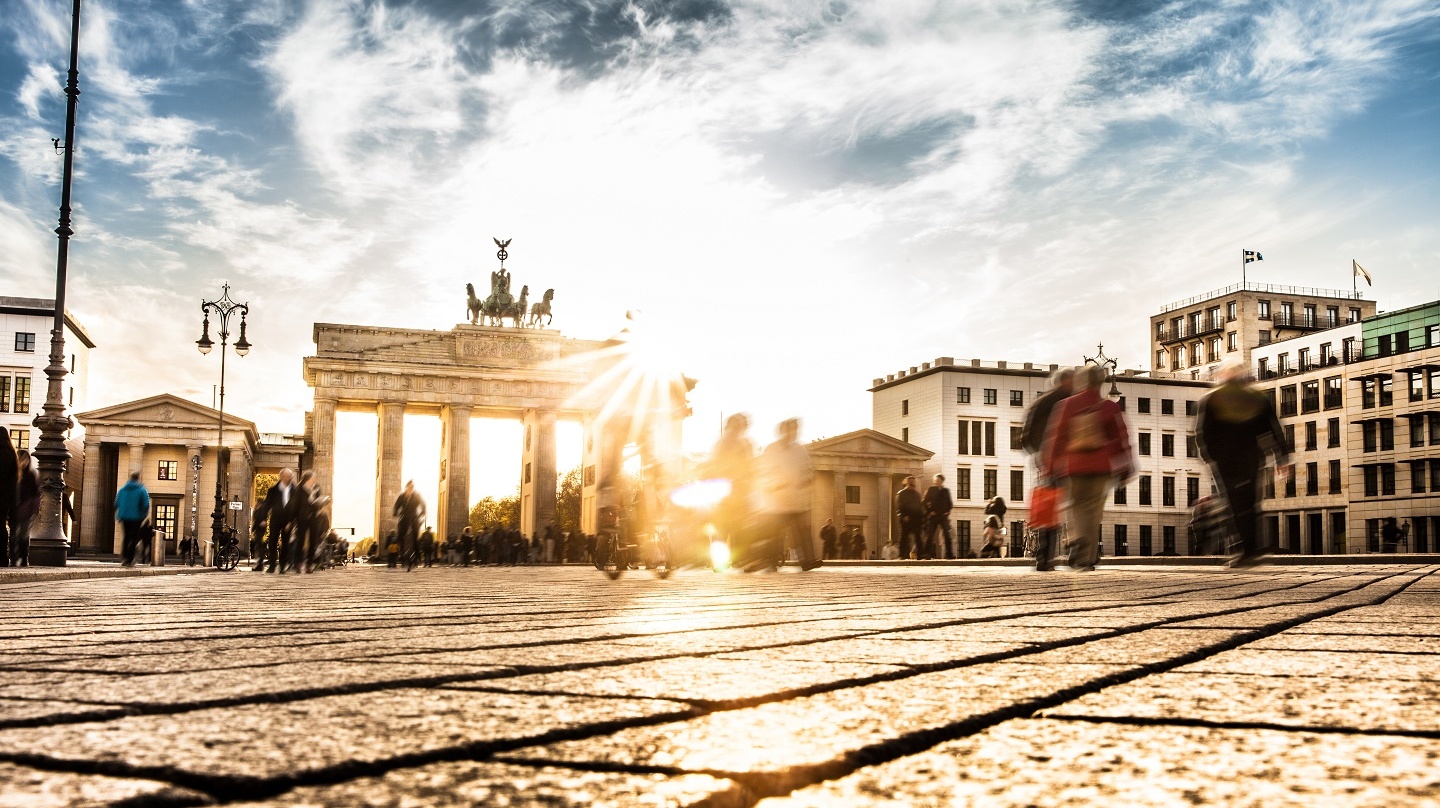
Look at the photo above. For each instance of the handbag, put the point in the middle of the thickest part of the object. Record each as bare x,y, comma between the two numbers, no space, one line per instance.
1045,506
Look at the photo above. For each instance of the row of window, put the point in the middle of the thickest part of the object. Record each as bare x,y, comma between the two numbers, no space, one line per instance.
1380,478
1399,342
1197,354
1145,484
1306,397
14,392
1312,435
1379,435
1380,391
1167,445
1303,360
1335,484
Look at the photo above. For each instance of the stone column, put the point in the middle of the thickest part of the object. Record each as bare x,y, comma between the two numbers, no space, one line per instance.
883,509
545,472
322,437
92,533
454,505
389,451
839,503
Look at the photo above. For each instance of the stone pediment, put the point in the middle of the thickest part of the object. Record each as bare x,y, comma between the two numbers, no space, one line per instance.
869,443
162,410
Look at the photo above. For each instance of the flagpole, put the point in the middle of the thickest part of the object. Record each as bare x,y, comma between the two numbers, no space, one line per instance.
1354,280
1243,284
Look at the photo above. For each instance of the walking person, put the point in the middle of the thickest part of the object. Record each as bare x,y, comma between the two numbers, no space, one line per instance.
9,477
27,504
911,511
785,470
994,538
1235,429
1088,447
1390,534
132,509
938,504
1032,439
427,546
733,460
277,511
410,509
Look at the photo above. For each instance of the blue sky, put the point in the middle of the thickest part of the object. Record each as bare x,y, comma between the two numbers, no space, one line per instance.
802,195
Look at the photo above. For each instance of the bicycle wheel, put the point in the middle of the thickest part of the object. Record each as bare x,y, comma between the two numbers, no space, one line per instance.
229,558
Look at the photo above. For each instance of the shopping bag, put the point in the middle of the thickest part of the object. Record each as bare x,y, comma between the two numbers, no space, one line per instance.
1044,507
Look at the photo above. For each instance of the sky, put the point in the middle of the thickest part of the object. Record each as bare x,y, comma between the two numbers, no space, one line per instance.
800,195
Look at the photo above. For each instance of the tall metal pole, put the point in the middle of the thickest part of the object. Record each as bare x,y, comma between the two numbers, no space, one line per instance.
48,543
223,308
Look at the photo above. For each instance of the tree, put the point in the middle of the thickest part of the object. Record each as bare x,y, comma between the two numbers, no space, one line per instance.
263,483
567,502
490,513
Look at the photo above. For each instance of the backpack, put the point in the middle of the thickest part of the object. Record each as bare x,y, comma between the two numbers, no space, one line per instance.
1087,431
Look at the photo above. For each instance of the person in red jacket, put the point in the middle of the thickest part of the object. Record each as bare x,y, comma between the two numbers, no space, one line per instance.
1088,447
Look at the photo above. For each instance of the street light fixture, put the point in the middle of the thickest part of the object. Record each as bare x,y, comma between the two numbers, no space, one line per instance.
1110,365
222,308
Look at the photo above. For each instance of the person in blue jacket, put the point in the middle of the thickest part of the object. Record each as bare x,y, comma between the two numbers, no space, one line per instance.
132,509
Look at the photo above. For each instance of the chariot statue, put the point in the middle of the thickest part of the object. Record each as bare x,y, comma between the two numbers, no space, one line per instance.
501,305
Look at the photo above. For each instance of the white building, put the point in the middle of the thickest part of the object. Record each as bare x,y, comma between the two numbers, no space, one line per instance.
25,324
970,414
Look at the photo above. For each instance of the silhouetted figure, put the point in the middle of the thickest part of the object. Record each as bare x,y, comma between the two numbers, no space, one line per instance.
280,509
1088,446
1390,535
27,505
733,460
938,504
410,510
1235,429
785,470
828,537
911,512
9,477
994,538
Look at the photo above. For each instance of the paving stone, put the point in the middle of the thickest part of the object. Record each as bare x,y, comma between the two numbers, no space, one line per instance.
1356,665
32,788
883,652
1375,627
1140,648
1293,701
12,710
1374,643
690,679
1255,618
990,632
443,785
277,740
823,728
1053,763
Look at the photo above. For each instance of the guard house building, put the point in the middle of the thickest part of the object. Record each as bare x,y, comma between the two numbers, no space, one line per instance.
1191,337
970,414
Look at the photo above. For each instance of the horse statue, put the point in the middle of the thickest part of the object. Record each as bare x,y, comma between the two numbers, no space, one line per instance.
541,309
474,306
498,312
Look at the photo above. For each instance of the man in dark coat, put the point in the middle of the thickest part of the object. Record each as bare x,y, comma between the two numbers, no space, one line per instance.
827,540
280,508
911,510
9,475
938,504
27,505
1235,428
410,509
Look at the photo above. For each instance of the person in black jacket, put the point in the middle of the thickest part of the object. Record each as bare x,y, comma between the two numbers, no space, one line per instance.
27,505
1235,428
938,505
9,477
911,510
280,509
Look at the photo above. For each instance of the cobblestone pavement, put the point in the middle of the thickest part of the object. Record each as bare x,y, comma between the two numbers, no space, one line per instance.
859,686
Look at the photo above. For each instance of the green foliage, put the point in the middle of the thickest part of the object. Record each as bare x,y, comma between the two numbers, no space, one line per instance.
567,502
490,513
263,484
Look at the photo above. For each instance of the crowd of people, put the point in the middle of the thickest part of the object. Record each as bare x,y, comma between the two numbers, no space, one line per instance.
299,538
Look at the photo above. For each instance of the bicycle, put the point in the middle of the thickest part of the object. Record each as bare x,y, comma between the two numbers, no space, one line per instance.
227,555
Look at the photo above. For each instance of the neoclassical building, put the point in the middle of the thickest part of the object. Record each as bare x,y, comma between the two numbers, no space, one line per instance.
856,477
172,442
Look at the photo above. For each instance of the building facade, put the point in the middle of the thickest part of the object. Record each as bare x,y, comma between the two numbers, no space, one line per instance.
856,478
1192,337
970,414
25,324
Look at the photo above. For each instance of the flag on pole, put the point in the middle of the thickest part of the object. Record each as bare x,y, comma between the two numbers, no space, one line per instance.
1251,255
1361,273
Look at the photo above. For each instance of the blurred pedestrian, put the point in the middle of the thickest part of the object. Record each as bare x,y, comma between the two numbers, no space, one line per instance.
1032,438
911,512
9,478
1088,446
1235,429
427,546
392,549
410,510
467,545
27,504
938,504
733,460
1390,534
785,471
132,510
828,537
279,509
993,538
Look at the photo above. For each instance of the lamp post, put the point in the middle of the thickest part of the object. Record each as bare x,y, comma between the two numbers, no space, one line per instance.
223,308
1110,366
48,544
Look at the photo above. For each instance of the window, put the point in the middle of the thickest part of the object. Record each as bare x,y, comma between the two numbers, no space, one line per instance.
1387,435
21,438
1334,476
1417,430
852,495
22,393
1263,337
1015,432
1385,345
992,483
1190,407
1434,420
1332,316
1120,495
1312,479
1387,480
1432,336
1282,363
990,439
905,407
1232,342
1417,386
1167,445
1327,354
962,482
1192,447
1354,315
1402,341
1368,431
1147,540
1215,349
1017,398
1332,433
1312,436
1167,491
1230,311
164,520
1122,539
962,395
1417,477
1310,396
1167,406
1303,355
1287,313
1287,401
25,341
1197,354
1289,437
1160,357
977,437
1269,480
1290,486
4,393
1144,444
1142,405
1167,541
1309,314
964,447
1017,485
991,395
1367,393
1145,489
1348,346
1179,357
1160,329
1372,481
1263,306
905,433
1334,393
169,470
1387,391
1192,490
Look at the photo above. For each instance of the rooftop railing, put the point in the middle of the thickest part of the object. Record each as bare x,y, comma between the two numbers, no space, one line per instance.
1268,288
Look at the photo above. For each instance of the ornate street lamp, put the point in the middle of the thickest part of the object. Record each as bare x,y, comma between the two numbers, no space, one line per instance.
223,308
1110,366
48,544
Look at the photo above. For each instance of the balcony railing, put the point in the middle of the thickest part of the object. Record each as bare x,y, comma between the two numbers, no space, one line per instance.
1269,288
1184,331
1302,321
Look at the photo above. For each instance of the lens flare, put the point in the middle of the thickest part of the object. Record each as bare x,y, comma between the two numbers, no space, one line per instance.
719,555
701,494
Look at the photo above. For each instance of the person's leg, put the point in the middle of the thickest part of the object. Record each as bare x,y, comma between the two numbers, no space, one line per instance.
799,523
948,548
1087,503
1045,548
1240,490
